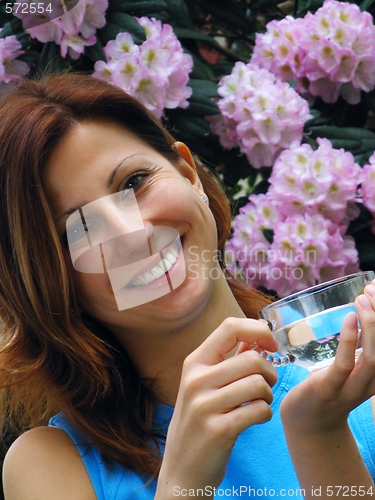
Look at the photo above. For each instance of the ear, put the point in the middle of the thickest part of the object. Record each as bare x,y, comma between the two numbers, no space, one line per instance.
187,165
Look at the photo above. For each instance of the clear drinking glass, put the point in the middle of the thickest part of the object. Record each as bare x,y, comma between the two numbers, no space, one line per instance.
307,324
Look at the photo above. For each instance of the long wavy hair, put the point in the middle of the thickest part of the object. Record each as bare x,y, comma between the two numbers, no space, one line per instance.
52,360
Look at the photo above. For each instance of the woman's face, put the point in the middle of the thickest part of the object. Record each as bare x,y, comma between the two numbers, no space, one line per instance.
96,159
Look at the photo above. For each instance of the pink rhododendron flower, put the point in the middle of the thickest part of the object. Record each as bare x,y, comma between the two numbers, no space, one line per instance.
307,210
260,114
368,188
75,45
155,72
329,53
11,69
317,182
73,30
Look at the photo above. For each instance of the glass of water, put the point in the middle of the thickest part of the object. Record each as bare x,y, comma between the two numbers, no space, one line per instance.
307,324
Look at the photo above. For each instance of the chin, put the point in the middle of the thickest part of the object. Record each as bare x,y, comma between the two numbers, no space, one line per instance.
189,299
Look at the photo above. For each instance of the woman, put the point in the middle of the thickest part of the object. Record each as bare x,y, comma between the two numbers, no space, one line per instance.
90,179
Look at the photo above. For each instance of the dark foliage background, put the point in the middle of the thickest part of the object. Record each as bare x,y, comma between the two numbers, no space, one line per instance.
218,33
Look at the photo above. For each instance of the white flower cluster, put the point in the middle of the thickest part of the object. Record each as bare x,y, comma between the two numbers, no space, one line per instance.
329,53
155,72
259,114
73,31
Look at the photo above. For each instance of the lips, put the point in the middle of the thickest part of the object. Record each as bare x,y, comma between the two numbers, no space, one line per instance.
160,269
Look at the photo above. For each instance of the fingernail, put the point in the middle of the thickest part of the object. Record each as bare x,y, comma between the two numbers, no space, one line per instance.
352,321
370,290
364,302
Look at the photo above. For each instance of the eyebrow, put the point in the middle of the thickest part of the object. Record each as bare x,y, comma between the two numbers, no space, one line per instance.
110,181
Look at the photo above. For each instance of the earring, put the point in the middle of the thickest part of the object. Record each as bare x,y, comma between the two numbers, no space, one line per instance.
204,198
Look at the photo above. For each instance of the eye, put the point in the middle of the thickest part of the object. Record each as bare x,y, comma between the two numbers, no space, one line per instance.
75,234
134,180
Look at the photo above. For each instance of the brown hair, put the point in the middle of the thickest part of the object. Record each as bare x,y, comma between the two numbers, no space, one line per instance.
51,360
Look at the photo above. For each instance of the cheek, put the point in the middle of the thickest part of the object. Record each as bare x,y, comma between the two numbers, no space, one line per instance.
90,288
169,199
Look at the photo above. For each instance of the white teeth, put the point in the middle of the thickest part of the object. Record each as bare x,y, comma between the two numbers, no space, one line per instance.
149,277
143,280
138,282
172,259
157,271
174,251
166,264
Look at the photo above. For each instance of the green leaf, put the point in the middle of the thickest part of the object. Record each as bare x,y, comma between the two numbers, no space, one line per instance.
196,108
356,140
137,8
316,115
125,23
179,15
51,60
363,159
4,17
236,167
194,35
347,144
203,88
202,101
193,125
200,71
261,187
310,5
232,14
366,251
263,4
108,32
95,52
12,28
268,234
360,133
24,39
366,4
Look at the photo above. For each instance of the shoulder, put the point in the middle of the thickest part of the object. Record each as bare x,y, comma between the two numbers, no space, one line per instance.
44,464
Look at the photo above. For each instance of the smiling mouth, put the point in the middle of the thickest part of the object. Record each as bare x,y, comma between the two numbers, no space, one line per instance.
162,267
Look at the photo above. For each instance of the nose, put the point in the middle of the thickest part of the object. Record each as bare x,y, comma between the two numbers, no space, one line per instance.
128,248
112,216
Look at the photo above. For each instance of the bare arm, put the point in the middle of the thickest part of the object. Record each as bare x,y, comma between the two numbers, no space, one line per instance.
44,464
315,414
210,413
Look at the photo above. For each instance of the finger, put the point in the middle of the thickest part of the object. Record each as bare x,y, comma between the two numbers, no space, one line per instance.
344,362
241,392
365,372
255,412
365,305
245,346
229,334
241,366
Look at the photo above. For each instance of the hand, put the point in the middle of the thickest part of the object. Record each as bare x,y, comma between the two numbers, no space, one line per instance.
315,412
324,400
218,398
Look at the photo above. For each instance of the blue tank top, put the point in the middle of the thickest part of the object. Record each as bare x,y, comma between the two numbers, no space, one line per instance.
260,464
